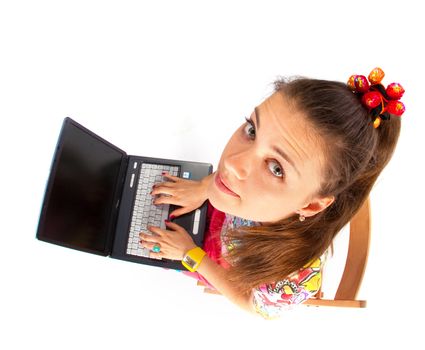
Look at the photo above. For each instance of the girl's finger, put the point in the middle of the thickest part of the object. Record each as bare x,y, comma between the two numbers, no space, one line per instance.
159,189
173,225
148,237
179,212
164,200
154,255
147,245
156,230
171,177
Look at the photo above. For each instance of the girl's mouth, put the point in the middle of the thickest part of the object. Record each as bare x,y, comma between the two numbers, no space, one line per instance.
222,186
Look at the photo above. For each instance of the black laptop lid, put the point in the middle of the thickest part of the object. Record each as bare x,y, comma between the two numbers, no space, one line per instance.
82,194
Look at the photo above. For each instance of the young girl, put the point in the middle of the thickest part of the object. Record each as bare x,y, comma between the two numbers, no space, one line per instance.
288,180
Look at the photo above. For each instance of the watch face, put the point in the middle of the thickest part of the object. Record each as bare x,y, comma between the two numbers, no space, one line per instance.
188,260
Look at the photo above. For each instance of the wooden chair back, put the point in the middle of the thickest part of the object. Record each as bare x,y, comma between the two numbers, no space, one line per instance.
355,265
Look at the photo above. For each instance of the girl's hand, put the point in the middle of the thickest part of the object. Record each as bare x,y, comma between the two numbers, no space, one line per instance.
188,194
174,242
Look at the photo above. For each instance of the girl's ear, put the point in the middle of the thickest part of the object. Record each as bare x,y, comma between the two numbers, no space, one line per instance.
316,206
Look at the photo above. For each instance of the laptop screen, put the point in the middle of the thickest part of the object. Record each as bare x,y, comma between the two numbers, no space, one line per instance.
77,209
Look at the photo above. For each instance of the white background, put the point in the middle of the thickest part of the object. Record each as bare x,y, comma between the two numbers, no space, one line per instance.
174,79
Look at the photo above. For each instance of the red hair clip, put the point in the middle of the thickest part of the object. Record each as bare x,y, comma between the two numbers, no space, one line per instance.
381,102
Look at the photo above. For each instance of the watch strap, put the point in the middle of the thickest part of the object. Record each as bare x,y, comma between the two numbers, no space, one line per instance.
193,258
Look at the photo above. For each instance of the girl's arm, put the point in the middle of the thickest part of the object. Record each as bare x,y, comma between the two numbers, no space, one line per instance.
175,242
215,274
190,195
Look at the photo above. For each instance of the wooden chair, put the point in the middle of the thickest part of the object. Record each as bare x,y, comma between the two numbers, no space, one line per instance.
358,249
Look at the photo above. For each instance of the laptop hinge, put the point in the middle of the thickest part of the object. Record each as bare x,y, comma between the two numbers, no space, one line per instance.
117,202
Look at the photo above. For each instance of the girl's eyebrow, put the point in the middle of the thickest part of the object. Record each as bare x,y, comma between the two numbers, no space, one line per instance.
275,148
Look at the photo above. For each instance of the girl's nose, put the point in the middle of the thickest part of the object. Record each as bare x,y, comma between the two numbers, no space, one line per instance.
239,164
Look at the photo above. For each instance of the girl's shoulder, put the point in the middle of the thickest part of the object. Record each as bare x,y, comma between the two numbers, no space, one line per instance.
271,299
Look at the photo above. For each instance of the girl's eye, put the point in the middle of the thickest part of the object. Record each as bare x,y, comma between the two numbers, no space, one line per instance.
275,168
249,129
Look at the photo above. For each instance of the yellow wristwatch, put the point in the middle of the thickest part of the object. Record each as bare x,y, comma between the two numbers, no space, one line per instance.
193,258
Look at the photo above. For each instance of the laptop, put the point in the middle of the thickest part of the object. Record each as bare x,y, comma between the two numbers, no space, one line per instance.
98,200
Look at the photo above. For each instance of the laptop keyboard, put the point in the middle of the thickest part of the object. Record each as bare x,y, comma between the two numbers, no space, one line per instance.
145,212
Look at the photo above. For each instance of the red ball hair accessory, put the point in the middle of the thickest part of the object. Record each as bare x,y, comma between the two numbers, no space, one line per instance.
381,102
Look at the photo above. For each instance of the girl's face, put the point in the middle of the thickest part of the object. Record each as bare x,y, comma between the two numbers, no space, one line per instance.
271,167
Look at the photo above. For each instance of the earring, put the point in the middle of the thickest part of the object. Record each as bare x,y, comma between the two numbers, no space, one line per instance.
301,217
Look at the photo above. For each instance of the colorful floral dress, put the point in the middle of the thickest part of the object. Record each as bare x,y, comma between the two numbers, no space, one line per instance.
270,300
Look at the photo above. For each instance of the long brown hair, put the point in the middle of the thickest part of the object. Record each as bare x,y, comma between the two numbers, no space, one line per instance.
355,152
